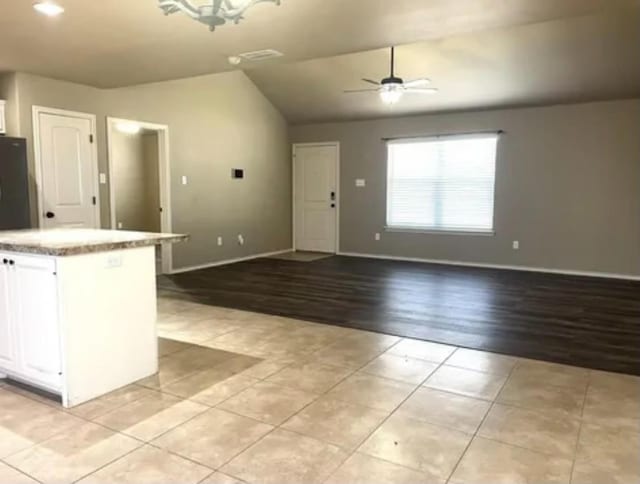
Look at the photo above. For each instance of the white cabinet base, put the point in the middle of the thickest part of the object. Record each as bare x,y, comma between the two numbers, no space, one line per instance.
106,324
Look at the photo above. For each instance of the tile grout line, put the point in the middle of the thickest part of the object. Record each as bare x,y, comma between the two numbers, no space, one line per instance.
110,462
357,448
279,427
475,433
19,471
88,420
575,450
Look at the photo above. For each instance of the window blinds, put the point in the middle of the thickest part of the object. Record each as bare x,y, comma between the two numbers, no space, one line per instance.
442,183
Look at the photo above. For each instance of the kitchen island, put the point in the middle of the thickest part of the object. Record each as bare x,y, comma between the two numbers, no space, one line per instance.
78,309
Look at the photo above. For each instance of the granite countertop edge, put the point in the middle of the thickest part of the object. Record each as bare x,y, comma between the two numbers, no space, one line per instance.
89,248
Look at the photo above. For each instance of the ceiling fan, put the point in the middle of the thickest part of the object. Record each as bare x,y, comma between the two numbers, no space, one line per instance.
392,88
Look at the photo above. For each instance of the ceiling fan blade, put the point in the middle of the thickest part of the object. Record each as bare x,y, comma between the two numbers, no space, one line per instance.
370,81
359,90
422,90
417,82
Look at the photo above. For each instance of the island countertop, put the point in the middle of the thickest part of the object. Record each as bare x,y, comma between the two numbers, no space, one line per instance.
66,242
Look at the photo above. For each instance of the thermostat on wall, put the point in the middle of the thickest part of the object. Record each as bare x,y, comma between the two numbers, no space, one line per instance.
237,173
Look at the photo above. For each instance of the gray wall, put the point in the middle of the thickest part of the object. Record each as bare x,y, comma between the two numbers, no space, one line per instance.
135,181
216,122
567,187
151,160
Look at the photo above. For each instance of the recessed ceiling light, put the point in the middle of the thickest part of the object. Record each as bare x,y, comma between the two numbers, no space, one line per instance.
48,8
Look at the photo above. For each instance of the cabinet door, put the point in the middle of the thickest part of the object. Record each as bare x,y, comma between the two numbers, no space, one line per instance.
3,128
36,315
7,338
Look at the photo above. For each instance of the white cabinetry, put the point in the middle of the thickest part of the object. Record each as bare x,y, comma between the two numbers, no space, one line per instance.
3,125
29,331
7,345
79,325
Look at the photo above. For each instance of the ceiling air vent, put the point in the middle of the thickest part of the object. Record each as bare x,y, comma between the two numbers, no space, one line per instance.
260,55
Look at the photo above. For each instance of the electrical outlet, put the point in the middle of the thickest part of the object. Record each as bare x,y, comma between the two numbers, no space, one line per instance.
516,245
114,260
119,225
360,182
219,241
103,178
184,179
240,239
377,236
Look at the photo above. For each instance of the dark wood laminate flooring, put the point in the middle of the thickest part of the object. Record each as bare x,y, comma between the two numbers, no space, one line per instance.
583,321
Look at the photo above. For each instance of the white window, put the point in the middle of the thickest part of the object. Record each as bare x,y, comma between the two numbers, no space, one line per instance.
442,183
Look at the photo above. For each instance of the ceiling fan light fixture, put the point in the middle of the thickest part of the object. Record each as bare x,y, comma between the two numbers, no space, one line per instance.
392,88
391,94
49,9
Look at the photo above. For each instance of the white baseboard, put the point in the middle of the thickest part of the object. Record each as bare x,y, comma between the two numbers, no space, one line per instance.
494,266
229,261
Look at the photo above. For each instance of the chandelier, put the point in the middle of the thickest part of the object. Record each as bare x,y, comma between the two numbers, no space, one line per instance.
213,12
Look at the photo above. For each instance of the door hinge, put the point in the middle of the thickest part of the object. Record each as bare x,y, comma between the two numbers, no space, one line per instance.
90,138
93,200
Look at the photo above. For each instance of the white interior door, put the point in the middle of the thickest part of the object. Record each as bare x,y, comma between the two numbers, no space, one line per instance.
67,170
315,199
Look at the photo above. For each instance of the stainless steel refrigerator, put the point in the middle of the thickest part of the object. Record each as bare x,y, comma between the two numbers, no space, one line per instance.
14,184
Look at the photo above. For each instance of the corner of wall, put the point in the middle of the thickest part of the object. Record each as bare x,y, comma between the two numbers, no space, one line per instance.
266,98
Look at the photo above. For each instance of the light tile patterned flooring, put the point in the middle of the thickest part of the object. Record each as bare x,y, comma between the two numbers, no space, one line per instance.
243,397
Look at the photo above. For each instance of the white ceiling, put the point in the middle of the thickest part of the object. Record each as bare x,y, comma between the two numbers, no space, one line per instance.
587,58
122,42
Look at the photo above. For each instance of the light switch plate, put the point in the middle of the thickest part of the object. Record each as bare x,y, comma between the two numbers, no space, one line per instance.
103,178
184,179
360,182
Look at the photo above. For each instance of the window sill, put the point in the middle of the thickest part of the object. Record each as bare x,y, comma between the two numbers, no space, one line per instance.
412,230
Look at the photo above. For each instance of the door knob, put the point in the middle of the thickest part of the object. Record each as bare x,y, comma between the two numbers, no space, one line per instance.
49,214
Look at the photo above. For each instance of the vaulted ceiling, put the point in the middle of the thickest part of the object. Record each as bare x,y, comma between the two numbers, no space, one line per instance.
480,53
112,43
588,58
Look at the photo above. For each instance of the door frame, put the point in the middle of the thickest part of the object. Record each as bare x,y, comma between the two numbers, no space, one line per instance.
293,189
164,173
36,111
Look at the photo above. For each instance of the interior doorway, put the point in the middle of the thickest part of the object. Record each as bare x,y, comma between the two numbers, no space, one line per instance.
139,186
